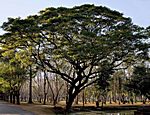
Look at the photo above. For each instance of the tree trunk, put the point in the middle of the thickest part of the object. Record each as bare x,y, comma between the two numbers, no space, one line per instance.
83,98
55,102
67,92
45,97
10,97
30,86
110,102
14,97
102,102
45,94
70,102
73,92
17,96
77,99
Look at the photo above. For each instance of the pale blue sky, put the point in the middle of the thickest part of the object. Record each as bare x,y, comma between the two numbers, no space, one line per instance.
138,10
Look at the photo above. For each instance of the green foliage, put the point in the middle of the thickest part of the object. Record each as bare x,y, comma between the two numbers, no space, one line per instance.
103,80
4,85
140,81
11,70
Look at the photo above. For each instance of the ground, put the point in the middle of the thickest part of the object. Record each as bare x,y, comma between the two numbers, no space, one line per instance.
11,109
40,109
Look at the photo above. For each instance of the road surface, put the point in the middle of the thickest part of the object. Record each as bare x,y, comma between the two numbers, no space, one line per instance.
10,109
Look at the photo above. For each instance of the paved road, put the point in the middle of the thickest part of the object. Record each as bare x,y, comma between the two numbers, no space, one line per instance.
10,109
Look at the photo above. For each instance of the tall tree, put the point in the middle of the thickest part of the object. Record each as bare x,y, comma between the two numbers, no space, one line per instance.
83,40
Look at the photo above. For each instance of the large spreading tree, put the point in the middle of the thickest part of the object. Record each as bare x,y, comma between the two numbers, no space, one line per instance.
78,44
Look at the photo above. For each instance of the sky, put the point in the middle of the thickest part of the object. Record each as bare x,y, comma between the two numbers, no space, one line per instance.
137,10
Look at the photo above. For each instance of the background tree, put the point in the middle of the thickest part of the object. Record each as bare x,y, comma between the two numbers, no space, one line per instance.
140,81
15,76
